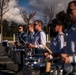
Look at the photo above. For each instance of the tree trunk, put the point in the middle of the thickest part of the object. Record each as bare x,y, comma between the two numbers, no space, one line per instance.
1,26
1,31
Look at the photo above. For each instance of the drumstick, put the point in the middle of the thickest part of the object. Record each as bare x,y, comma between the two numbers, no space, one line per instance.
48,66
47,48
38,44
18,43
38,55
23,40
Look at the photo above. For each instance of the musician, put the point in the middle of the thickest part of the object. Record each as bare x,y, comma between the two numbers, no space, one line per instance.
30,36
70,49
57,43
69,56
21,36
21,43
71,35
39,37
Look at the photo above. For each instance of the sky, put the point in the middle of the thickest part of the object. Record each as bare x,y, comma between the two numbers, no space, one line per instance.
31,6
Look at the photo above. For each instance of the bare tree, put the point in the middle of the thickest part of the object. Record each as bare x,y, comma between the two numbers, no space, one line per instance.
25,17
3,10
48,13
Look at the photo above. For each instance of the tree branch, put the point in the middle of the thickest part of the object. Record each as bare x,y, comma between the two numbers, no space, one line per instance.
24,16
5,12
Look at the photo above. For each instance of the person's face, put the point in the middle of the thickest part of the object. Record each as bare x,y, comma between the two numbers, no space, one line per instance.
30,28
73,12
57,27
37,26
20,29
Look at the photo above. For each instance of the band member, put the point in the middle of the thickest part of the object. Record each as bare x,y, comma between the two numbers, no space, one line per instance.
57,43
71,35
39,37
21,36
30,36
21,43
30,39
70,49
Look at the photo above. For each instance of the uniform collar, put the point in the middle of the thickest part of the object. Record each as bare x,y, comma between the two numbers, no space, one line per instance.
61,33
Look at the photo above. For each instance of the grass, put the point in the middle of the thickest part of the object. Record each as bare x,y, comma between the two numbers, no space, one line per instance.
8,38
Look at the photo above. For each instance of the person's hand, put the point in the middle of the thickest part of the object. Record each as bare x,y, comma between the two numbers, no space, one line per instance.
65,58
27,45
56,54
31,46
18,44
47,55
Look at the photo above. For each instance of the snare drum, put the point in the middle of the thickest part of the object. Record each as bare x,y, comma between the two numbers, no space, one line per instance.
29,52
28,60
5,43
10,48
33,66
55,71
16,55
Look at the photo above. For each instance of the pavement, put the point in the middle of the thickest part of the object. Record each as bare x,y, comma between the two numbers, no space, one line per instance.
7,66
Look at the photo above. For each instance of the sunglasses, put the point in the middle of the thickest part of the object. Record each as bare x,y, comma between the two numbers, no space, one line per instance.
35,24
28,27
71,9
19,28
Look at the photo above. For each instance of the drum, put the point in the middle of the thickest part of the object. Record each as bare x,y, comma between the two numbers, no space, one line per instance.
72,73
55,70
73,70
29,52
17,56
5,43
33,66
9,50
